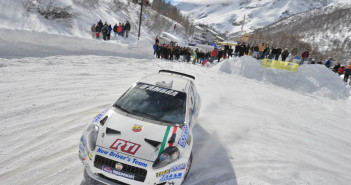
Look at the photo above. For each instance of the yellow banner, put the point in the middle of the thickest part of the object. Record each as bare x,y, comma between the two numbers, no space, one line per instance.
289,66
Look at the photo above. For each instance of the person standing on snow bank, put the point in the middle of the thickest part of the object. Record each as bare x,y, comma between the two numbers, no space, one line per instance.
294,53
93,31
109,32
336,67
98,30
328,62
115,29
304,56
104,31
347,73
119,29
127,28
341,70
214,53
285,54
123,29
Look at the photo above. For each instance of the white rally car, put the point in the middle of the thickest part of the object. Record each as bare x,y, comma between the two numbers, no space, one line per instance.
146,136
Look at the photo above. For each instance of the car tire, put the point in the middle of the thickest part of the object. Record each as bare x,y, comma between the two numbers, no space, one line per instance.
188,166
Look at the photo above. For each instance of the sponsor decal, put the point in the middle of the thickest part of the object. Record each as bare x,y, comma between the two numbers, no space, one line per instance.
159,89
137,128
184,137
174,132
98,117
91,156
164,140
119,166
189,140
125,146
162,173
121,157
82,139
82,149
171,177
117,173
178,167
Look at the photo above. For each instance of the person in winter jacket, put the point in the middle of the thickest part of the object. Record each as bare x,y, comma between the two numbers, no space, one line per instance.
109,32
93,31
328,62
127,28
123,30
347,73
285,54
294,53
320,61
278,53
261,50
304,56
242,49
115,29
100,24
341,70
119,29
214,54
104,31
155,46
98,30
220,55
336,67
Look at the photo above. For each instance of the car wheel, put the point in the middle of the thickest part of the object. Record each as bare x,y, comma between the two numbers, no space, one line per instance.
188,166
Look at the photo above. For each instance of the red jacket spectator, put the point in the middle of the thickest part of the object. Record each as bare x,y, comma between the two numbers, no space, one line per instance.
341,70
119,28
305,54
214,53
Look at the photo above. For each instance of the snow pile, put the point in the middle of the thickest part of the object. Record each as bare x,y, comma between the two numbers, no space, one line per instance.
311,79
20,43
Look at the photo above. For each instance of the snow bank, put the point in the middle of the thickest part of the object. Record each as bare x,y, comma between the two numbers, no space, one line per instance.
310,79
19,43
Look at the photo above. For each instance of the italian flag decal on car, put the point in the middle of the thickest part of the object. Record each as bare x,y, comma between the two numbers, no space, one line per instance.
164,140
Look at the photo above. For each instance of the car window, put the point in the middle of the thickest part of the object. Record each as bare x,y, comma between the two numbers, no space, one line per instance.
154,102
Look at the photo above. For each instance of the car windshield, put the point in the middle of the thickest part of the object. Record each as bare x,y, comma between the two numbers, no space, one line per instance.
155,103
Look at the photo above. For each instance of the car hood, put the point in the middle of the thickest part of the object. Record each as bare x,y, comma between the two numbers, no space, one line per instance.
133,136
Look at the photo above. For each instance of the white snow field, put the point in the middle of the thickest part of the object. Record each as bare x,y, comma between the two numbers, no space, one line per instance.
256,125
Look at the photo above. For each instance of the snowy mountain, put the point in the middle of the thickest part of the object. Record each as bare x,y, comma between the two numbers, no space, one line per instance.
326,29
228,15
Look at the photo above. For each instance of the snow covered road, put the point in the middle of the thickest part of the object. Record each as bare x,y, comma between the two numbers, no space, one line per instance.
250,131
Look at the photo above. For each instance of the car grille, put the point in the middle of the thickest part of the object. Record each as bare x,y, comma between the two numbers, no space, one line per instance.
139,173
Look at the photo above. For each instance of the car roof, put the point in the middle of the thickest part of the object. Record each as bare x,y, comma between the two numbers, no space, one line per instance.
170,81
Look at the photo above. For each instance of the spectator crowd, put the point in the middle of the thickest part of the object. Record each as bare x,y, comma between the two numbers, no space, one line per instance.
262,51
105,30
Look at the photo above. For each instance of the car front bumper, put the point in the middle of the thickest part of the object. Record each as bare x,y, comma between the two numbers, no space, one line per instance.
101,167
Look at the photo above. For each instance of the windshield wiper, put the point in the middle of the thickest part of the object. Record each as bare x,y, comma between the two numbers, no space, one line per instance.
152,116
122,109
146,114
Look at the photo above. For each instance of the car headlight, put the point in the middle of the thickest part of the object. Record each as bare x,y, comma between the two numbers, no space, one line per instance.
169,155
93,131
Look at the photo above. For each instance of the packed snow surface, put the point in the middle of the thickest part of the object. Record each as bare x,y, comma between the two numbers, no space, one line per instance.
256,125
